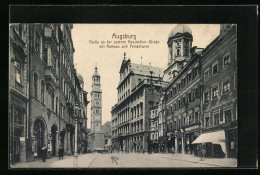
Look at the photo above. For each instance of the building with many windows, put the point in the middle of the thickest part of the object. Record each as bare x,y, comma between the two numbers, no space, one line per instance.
45,67
130,116
18,91
219,99
198,107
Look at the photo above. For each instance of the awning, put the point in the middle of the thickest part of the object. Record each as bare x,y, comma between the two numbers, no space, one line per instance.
213,137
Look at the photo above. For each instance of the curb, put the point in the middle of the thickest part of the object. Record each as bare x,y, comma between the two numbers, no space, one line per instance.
195,161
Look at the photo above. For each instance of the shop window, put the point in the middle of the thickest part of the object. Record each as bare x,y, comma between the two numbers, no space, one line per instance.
214,93
226,86
215,68
227,114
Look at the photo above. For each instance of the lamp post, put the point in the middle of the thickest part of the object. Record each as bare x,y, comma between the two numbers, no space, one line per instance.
76,114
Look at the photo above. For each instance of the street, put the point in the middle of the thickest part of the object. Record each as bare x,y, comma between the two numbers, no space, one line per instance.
119,160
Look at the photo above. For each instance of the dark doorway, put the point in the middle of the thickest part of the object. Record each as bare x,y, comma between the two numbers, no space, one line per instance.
39,133
54,130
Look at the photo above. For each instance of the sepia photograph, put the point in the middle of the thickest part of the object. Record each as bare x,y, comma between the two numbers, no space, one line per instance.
122,95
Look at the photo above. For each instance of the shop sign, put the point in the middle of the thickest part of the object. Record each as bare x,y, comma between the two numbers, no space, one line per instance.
192,128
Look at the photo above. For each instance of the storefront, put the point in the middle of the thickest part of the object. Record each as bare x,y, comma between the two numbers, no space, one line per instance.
190,135
18,125
213,142
39,137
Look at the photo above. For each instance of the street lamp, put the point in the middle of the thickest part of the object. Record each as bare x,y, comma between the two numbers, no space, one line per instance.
76,114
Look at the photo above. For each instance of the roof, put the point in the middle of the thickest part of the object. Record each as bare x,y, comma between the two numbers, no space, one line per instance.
106,128
96,73
180,28
80,78
145,70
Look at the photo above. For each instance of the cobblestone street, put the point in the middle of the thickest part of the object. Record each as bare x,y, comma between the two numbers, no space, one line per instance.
130,161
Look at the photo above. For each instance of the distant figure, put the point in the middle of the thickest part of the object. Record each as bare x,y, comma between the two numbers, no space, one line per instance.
82,149
61,151
202,154
44,153
143,151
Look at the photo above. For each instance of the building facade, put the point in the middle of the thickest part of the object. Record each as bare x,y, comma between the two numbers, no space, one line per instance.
198,107
18,91
53,89
130,116
219,100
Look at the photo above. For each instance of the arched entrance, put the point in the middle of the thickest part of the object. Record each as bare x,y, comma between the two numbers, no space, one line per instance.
54,130
39,131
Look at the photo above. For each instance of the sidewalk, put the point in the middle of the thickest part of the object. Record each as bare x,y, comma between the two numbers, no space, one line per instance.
221,162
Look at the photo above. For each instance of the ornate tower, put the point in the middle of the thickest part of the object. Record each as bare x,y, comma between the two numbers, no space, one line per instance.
96,103
179,47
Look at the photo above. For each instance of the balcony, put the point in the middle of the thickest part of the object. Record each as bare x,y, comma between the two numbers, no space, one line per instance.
49,76
20,87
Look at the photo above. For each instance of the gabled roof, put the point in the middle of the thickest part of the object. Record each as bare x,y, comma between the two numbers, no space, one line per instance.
145,70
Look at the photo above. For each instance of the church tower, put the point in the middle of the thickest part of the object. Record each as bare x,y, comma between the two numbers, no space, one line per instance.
179,47
96,102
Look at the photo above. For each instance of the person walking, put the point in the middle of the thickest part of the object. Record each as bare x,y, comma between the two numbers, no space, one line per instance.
44,153
202,154
61,151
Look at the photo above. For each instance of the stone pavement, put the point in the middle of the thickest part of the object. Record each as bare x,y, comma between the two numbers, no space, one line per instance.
221,162
131,160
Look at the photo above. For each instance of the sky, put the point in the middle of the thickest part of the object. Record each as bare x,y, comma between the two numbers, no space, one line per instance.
108,60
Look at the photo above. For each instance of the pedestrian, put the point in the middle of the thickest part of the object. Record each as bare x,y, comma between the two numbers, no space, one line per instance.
202,154
143,151
44,153
61,151
82,149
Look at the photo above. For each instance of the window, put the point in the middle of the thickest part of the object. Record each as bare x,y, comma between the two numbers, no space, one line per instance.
37,42
189,97
18,116
178,52
226,86
206,75
206,97
42,91
139,80
216,119
226,61
56,107
227,114
196,116
215,68
35,83
18,69
52,101
206,121
214,92
194,72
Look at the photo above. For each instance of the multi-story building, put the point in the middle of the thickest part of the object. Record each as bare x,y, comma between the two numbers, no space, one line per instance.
219,100
198,106
154,132
180,104
54,89
18,91
130,116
